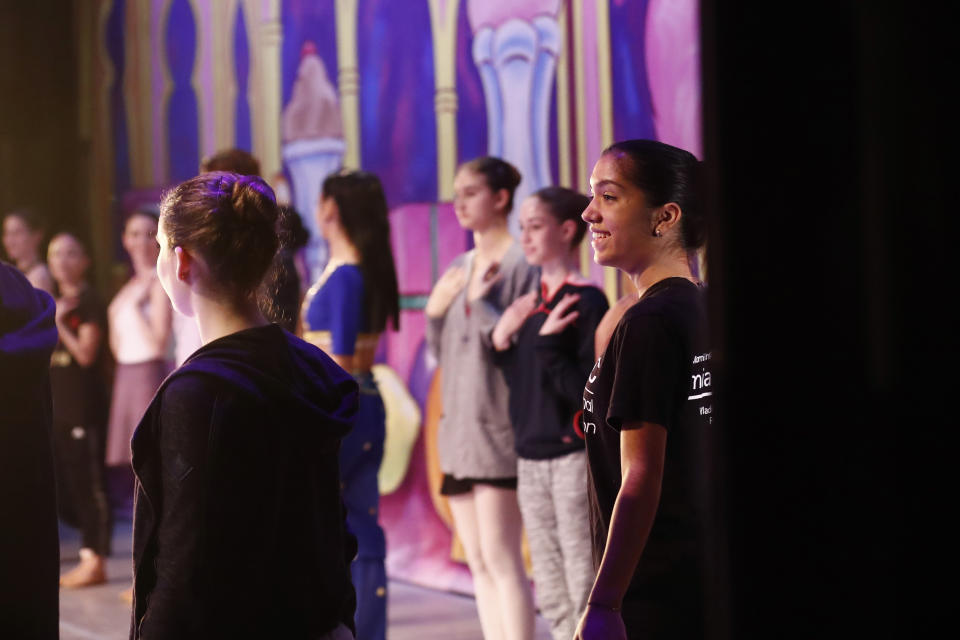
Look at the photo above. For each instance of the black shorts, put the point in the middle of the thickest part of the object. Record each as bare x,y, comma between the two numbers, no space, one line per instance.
458,486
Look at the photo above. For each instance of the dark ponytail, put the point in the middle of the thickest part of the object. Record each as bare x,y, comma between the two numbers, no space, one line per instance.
364,217
667,174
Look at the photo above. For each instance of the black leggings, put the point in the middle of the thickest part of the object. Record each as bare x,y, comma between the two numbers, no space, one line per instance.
81,496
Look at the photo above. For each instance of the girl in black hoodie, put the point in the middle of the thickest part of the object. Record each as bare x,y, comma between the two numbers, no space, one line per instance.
238,526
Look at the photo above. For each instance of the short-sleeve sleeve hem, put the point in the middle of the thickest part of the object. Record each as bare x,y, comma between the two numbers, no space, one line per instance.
647,375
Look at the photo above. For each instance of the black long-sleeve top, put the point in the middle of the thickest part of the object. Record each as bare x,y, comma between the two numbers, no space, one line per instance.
238,524
29,548
546,375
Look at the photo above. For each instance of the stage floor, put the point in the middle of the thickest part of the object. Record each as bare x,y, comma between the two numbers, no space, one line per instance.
414,613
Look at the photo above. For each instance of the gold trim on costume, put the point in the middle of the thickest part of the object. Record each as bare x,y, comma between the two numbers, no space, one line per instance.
61,358
364,348
323,339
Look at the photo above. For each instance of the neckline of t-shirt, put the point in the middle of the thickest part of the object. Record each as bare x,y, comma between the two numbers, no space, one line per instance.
672,281
566,284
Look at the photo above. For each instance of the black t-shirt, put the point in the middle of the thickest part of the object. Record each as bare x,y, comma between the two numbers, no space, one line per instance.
546,375
80,393
656,368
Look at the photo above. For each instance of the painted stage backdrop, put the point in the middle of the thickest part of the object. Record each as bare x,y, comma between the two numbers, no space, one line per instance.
407,89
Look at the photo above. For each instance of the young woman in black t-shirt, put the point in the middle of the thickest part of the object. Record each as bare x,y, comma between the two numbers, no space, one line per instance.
647,401
544,341
79,392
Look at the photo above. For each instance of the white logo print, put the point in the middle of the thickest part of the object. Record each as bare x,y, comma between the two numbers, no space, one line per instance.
596,367
700,382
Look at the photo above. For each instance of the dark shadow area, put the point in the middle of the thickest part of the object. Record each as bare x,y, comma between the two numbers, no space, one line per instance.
826,128
40,154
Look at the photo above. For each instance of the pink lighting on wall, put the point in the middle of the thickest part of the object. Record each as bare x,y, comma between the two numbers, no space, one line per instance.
673,69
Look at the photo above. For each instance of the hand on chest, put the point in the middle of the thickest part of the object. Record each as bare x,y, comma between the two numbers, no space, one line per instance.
485,277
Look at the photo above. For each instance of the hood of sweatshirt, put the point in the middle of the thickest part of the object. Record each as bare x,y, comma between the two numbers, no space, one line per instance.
280,369
28,334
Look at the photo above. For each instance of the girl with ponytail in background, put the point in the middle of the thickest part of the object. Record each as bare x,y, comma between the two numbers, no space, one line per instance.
475,439
78,382
140,320
344,313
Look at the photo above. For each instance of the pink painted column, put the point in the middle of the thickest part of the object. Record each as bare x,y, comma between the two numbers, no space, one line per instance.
673,70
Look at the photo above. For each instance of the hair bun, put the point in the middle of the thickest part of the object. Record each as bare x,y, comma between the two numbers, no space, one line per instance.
231,220
254,202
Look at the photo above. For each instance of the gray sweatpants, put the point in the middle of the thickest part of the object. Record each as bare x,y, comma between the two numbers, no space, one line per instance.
553,502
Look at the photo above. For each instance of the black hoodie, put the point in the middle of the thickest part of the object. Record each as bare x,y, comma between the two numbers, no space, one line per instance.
238,524
29,548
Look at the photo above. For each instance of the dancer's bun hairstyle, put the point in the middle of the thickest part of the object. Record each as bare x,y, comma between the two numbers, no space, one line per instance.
231,221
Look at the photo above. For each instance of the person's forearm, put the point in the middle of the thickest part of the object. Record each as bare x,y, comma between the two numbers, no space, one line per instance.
436,306
486,318
633,515
501,337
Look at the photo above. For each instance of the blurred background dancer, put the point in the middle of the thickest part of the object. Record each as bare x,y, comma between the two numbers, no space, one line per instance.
475,439
79,386
344,313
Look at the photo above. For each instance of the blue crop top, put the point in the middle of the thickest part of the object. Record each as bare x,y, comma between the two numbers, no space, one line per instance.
333,317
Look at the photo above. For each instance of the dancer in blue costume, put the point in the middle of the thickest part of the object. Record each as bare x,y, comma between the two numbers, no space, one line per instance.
344,313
